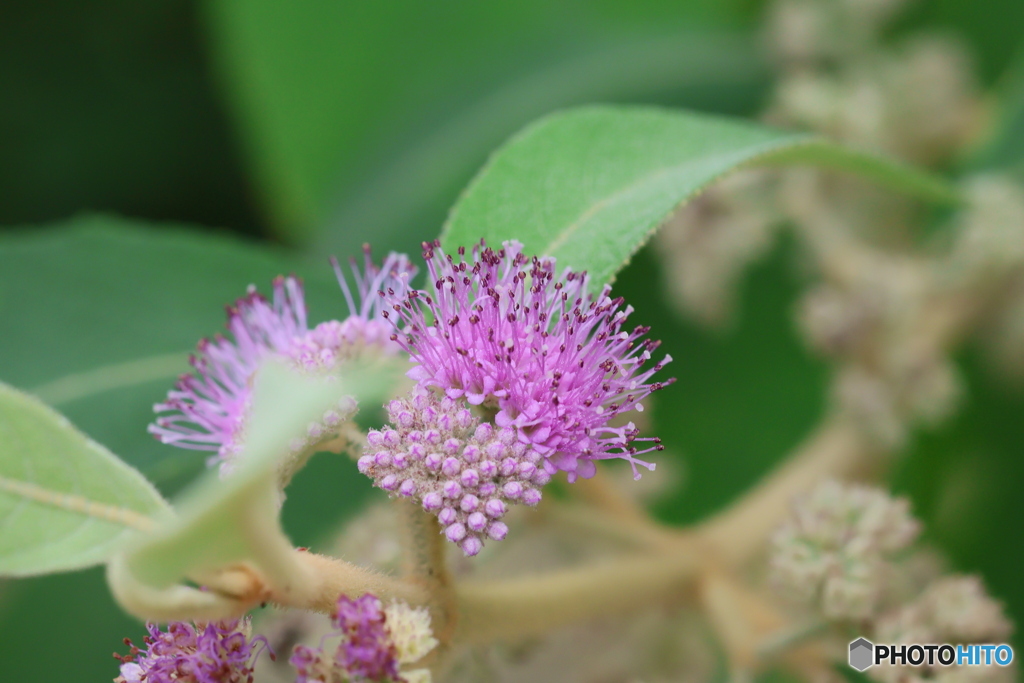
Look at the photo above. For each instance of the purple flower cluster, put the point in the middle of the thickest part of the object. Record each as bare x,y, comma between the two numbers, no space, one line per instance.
520,373
464,471
552,360
366,651
215,653
207,410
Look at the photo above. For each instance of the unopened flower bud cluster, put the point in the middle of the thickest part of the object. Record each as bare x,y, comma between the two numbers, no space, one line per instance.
464,471
887,379
990,236
836,550
841,552
988,255
952,609
805,33
917,101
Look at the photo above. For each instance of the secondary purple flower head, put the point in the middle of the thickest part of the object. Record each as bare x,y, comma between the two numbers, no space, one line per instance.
366,652
206,410
215,653
505,331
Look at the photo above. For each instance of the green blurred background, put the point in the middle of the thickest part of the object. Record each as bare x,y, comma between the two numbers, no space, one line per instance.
158,157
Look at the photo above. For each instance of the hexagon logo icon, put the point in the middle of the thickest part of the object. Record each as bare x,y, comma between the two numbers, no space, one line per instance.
861,654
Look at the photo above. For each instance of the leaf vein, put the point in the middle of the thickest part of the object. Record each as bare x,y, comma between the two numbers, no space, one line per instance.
77,504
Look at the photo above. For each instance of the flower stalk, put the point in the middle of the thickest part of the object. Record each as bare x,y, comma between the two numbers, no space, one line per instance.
426,566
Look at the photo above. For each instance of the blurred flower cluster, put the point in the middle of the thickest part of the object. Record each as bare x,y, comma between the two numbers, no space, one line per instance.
885,301
838,548
846,552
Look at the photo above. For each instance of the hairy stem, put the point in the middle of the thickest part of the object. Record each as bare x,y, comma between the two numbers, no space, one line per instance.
494,610
330,578
601,493
636,534
739,618
668,571
425,564
514,608
170,603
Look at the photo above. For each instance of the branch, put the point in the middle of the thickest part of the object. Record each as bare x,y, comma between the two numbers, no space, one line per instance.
425,565
330,578
837,449
516,608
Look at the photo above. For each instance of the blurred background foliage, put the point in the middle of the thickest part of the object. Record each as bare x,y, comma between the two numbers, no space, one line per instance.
296,130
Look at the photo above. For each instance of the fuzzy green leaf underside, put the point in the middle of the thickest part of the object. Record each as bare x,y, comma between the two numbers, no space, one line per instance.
217,515
590,186
65,501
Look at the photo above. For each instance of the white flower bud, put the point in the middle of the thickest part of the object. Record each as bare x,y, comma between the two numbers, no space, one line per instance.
991,239
410,631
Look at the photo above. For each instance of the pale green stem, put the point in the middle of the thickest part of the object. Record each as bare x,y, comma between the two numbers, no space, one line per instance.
490,610
779,643
331,578
271,551
425,564
516,608
579,517
173,603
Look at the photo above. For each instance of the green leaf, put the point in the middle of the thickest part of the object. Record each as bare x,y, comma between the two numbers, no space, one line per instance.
401,198
324,92
99,315
65,501
112,107
590,185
